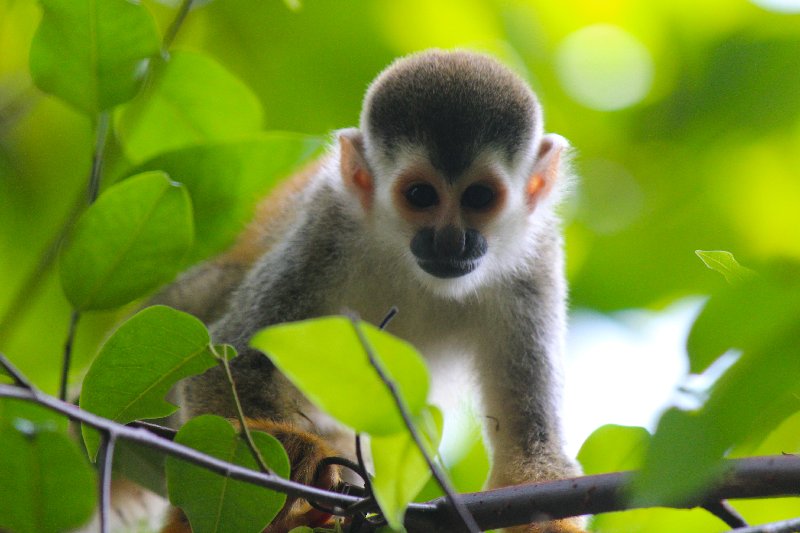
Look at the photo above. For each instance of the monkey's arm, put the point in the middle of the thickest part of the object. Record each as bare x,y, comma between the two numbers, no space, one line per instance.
521,388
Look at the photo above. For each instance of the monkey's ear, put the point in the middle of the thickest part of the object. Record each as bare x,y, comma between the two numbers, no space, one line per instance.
546,169
353,166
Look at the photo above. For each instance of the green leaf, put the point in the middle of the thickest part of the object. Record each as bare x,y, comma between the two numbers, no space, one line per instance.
132,240
191,99
143,465
213,502
724,263
47,485
93,54
462,452
400,469
140,363
12,409
747,316
314,354
683,457
760,318
613,448
226,180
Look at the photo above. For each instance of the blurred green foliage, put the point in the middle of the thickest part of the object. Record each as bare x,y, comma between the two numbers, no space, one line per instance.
685,117
707,159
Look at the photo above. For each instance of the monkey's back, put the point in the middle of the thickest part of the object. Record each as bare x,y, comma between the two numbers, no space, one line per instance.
205,289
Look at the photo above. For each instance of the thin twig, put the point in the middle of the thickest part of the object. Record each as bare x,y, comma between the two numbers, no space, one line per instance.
388,318
92,191
67,361
725,512
148,439
362,465
162,431
106,460
172,31
244,431
18,377
786,526
455,503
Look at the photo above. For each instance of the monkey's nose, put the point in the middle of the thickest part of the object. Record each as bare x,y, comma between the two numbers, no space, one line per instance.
449,241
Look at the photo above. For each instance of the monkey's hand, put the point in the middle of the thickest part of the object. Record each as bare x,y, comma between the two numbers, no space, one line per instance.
306,451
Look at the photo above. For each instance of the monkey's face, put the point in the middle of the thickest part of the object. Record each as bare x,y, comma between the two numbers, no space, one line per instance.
450,225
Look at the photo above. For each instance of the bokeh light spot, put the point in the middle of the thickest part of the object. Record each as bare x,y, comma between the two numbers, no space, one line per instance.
604,67
782,6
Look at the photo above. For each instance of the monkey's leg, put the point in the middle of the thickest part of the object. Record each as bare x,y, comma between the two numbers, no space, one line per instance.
305,451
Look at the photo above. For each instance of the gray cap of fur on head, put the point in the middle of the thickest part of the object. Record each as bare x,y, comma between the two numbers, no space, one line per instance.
453,104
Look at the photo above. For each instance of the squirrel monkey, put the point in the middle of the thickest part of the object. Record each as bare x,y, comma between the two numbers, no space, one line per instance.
442,203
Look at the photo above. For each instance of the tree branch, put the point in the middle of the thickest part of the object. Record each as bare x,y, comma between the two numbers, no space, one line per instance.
18,377
787,526
148,439
726,513
755,477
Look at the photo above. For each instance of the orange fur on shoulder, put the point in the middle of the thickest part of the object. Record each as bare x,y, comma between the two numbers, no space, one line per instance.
271,216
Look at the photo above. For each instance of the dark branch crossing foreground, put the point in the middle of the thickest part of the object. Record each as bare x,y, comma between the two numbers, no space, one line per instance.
756,477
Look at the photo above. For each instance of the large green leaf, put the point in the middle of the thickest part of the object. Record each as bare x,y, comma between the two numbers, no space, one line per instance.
93,54
47,485
140,363
133,239
192,99
226,180
400,469
748,316
313,354
214,503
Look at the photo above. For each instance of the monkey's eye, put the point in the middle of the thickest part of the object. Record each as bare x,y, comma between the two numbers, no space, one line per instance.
422,195
477,197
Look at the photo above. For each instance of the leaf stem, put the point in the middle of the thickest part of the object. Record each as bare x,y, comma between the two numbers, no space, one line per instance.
452,497
101,140
67,362
244,431
92,190
177,22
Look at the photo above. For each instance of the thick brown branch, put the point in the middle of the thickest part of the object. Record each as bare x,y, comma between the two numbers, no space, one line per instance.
755,477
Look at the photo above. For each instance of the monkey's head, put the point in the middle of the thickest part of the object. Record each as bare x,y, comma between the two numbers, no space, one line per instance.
451,166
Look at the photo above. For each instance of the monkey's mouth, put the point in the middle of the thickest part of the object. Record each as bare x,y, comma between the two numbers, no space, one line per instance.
447,268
